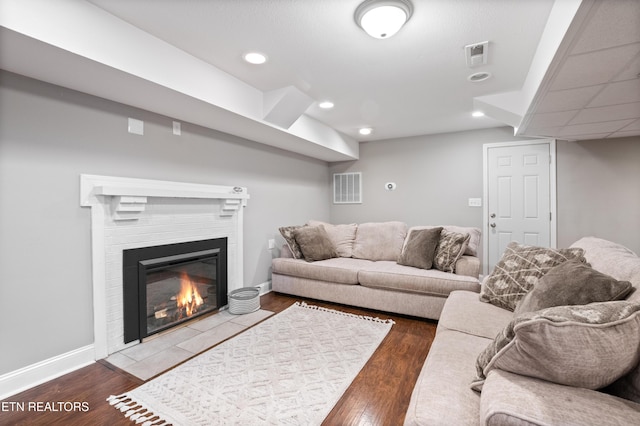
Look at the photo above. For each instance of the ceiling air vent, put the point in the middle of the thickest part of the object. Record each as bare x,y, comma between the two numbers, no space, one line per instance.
476,54
347,188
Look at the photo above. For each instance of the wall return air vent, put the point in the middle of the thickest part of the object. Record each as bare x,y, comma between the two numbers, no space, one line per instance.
347,188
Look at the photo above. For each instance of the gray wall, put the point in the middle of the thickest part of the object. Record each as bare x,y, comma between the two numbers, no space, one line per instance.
435,177
48,137
599,190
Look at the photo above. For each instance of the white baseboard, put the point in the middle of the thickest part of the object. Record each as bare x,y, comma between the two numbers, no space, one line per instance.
265,287
35,374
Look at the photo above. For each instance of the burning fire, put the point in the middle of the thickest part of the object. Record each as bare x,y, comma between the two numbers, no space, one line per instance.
188,299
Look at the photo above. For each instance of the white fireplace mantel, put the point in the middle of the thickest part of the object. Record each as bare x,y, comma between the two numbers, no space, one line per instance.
120,204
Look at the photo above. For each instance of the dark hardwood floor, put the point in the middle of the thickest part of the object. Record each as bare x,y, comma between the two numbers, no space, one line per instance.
379,395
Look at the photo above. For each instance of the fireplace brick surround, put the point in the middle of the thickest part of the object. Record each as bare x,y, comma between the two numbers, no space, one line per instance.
132,213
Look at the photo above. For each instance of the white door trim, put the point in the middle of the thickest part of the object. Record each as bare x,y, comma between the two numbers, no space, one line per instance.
485,193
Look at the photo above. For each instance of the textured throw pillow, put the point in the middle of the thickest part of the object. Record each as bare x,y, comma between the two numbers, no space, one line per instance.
314,243
587,346
379,241
420,248
287,234
572,283
519,270
342,236
450,247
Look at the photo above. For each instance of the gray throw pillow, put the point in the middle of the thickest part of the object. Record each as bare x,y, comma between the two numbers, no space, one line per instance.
420,248
451,246
314,243
519,270
290,239
587,346
573,283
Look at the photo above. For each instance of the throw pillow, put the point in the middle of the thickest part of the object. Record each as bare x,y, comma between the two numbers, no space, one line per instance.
588,346
379,241
314,243
572,283
519,270
420,248
287,234
342,236
450,247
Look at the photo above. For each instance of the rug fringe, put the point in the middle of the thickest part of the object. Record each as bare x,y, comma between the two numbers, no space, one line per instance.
135,411
346,314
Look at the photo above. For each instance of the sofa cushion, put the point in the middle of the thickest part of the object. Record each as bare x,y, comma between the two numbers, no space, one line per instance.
441,395
379,241
464,312
588,346
450,248
612,259
341,270
420,248
519,270
342,236
290,239
391,276
474,235
468,265
511,399
314,243
572,283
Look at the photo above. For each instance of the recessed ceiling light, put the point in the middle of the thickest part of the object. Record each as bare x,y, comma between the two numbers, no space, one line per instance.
365,131
255,58
326,105
477,114
479,76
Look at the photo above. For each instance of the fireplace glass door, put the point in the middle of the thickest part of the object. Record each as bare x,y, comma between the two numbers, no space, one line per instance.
166,285
179,288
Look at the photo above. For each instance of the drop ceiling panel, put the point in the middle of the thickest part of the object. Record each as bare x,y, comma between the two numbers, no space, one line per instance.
552,118
631,71
594,68
611,26
623,92
585,129
608,113
563,100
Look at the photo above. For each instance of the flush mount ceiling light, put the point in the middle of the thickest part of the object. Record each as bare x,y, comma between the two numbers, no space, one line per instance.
365,131
383,18
255,58
477,114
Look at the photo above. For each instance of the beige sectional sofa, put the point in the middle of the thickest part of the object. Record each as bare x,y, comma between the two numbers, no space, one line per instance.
364,271
526,384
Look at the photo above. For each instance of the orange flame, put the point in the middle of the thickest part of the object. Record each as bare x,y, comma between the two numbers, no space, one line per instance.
188,298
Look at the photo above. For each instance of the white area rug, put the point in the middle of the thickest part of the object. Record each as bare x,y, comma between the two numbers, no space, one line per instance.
290,369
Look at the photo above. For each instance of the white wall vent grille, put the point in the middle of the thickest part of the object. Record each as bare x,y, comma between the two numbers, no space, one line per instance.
347,188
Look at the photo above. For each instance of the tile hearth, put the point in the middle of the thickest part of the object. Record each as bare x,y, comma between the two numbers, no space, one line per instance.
165,351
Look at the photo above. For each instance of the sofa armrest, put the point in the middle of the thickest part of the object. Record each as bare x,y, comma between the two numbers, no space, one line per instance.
468,266
511,399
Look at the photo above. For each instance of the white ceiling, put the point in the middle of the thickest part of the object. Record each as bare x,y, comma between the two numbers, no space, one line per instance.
560,68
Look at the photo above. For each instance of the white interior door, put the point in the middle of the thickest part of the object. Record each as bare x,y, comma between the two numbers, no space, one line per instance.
520,197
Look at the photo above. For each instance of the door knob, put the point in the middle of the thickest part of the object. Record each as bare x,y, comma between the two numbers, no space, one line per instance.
493,215
493,225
